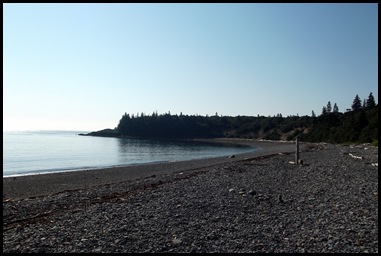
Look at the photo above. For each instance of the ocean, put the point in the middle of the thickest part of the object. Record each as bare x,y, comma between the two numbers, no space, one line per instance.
37,152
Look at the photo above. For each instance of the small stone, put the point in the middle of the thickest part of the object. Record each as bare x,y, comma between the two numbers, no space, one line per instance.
231,190
176,241
252,192
97,250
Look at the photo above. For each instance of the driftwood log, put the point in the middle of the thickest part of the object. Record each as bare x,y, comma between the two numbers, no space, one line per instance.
357,157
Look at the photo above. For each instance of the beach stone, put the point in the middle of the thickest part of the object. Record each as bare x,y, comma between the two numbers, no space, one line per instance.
334,210
176,241
252,192
97,250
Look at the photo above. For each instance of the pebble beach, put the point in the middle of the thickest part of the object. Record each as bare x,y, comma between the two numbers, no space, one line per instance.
254,202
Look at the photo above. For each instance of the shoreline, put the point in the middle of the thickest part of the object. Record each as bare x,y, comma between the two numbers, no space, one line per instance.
26,186
252,203
217,141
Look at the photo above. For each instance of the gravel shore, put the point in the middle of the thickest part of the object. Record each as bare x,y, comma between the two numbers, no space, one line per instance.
254,202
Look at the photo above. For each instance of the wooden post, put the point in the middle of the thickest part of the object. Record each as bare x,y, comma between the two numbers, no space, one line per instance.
297,150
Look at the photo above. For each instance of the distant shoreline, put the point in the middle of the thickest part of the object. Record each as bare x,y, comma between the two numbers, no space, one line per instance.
103,133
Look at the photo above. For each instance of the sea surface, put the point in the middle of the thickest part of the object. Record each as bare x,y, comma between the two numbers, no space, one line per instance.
36,152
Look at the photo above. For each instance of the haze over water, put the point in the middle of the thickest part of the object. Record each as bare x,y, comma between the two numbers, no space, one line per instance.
33,152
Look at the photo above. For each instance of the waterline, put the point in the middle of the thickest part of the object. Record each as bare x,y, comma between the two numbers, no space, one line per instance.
39,152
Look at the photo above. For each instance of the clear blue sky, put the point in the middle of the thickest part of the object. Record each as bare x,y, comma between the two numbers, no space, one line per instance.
82,66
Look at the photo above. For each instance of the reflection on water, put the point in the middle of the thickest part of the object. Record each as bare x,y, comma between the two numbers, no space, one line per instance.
50,151
136,150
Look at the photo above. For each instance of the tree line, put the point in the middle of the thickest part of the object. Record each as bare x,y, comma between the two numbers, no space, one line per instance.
357,125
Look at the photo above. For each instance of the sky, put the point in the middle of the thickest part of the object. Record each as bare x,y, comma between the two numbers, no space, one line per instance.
80,67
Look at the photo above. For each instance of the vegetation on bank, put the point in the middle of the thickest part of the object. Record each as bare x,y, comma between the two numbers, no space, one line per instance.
357,125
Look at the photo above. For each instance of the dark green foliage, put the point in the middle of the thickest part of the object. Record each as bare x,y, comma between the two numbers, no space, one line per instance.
274,135
329,107
324,110
335,108
370,103
356,105
169,126
357,126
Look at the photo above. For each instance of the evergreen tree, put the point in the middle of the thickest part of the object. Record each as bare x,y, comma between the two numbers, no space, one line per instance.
356,103
329,107
353,126
324,111
370,103
364,104
335,108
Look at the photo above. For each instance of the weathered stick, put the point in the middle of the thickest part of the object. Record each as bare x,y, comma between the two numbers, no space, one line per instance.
357,157
297,150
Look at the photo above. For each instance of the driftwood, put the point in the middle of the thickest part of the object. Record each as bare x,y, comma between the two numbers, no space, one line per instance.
300,161
297,153
357,157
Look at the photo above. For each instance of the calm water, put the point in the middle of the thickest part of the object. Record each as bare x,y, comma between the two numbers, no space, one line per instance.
32,152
